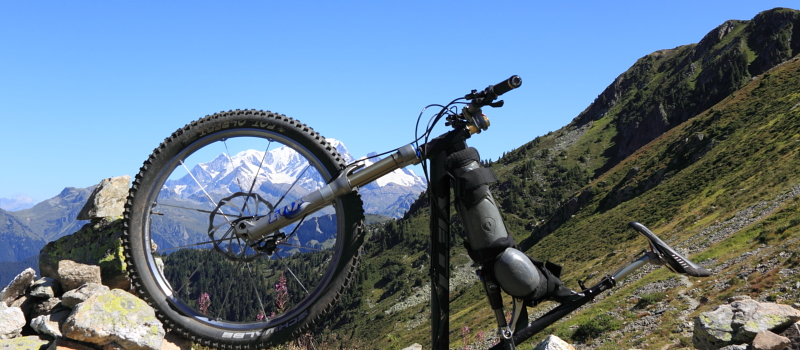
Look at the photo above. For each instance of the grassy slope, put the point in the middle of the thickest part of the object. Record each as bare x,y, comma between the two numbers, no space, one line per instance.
700,173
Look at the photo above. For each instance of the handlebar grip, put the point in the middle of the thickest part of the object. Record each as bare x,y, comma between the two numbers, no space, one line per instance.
507,85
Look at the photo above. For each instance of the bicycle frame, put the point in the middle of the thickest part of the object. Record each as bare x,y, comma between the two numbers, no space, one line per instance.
437,151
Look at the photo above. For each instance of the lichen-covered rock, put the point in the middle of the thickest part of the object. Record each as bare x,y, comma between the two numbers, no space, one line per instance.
755,317
45,287
80,294
50,325
553,342
24,343
73,274
107,199
713,330
739,322
11,322
97,243
118,317
17,286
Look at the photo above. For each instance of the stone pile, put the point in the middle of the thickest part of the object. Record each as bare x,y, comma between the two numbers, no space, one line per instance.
75,306
747,324
81,302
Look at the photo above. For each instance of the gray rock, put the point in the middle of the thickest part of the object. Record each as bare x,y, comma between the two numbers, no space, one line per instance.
24,343
73,275
739,322
98,243
45,307
553,342
736,347
118,317
712,330
766,340
46,287
80,294
752,317
17,286
793,333
414,346
107,199
25,303
11,322
50,325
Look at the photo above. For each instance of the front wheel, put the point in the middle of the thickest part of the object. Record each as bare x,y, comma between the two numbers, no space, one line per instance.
211,285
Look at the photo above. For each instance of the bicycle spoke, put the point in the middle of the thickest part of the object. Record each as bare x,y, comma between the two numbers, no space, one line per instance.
296,227
228,155
189,279
197,210
228,292
292,273
293,183
259,167
255,289
301,247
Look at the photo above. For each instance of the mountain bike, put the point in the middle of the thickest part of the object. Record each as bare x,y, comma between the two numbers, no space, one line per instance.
244,228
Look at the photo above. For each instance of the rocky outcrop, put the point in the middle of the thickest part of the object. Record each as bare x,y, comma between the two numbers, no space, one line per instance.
107,199
740,321
97,243
92,314
73,306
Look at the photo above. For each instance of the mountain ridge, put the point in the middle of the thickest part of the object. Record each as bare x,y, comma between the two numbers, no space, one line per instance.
711,171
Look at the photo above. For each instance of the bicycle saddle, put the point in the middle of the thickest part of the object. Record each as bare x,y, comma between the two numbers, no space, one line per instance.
676,262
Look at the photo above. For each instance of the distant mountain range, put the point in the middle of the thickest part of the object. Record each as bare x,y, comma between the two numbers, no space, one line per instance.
26,228
19,202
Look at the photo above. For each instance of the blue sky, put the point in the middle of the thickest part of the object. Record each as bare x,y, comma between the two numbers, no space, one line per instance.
89,88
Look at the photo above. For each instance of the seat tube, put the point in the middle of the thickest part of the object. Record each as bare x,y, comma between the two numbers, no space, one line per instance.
440,253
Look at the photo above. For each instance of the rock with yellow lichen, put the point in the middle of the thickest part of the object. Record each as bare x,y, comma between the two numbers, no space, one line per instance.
117,317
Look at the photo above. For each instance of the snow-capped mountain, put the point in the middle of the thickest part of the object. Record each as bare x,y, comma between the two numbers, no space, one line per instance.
273,172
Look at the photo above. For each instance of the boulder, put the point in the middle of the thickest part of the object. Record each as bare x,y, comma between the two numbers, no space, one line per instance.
45,287
18,286
793,333
46,307
97,243
11,322
107,199
414,346
766,340
117,317
73,275
24,343
50,325
739,322
553,342
80,294
25,303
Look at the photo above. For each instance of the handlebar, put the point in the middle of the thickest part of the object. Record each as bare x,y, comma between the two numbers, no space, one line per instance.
506,85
